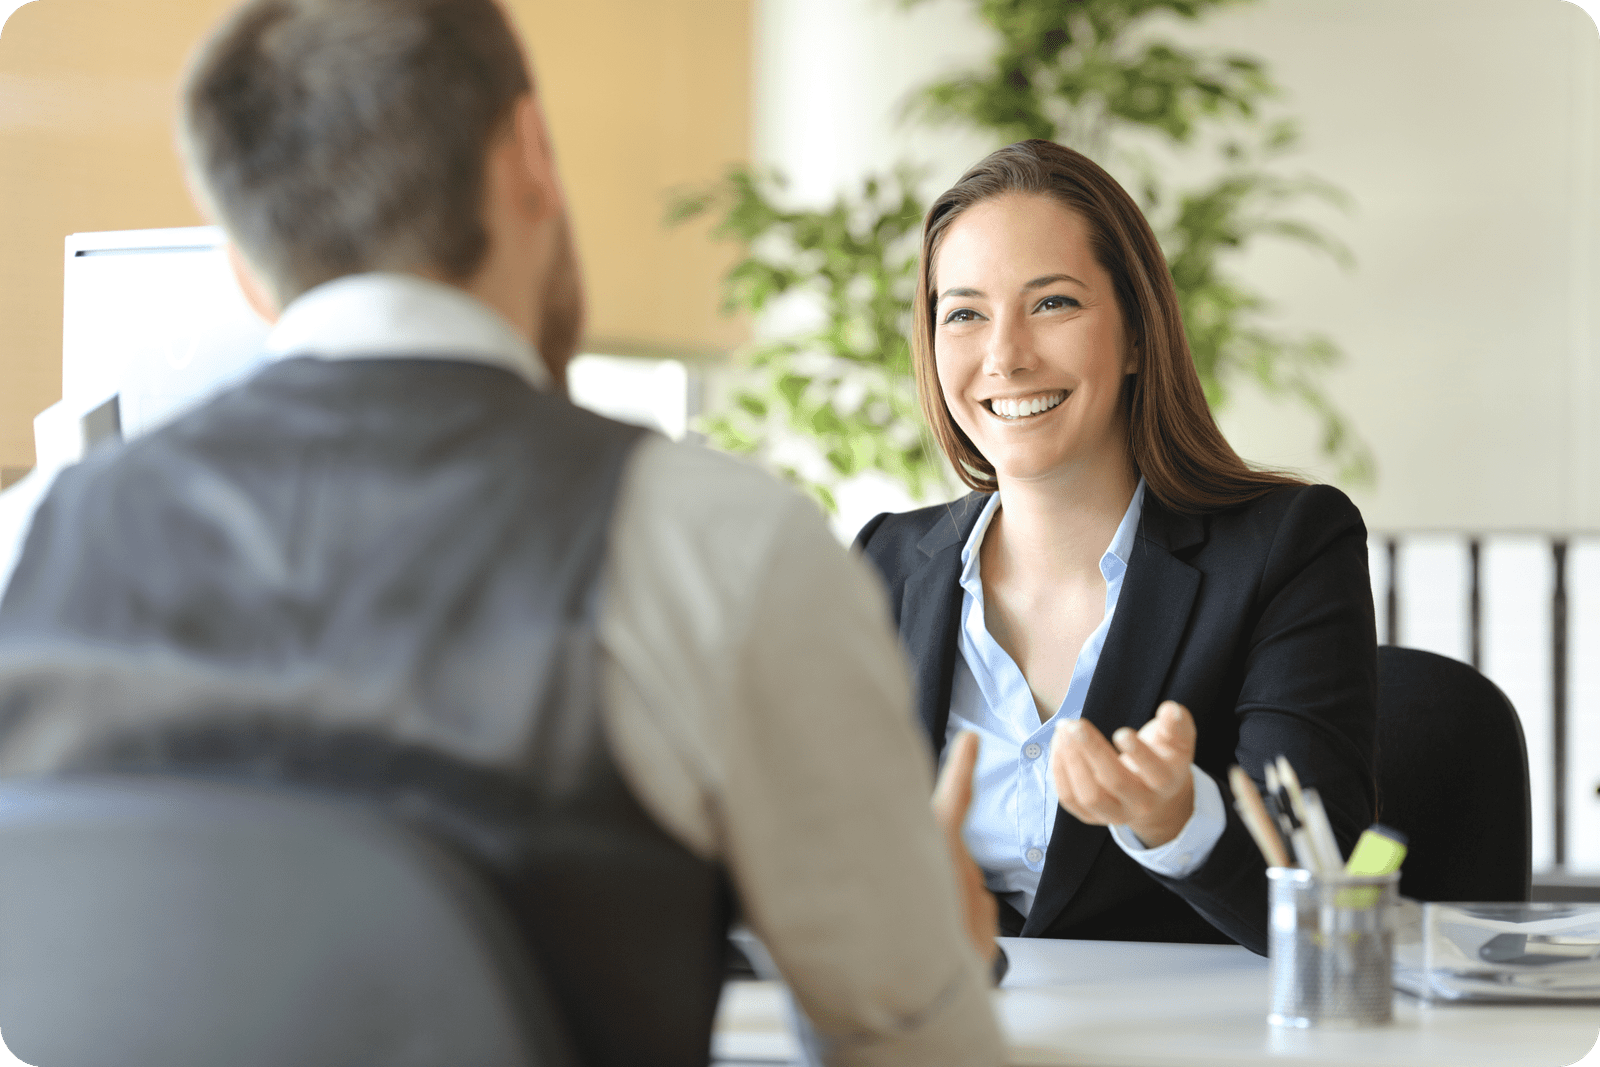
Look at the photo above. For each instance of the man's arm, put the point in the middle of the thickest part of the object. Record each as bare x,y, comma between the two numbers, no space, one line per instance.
778,738
842,871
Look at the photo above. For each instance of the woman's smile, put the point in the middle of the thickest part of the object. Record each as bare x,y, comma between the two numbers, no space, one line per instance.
1015,409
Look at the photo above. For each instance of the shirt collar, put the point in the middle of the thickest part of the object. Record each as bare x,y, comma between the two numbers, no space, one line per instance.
1121,547
1112,563
392,315
971,580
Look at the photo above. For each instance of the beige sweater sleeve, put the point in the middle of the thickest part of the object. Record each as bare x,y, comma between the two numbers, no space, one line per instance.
759,705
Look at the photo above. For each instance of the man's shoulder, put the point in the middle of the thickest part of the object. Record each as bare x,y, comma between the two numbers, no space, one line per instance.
695,512
683,478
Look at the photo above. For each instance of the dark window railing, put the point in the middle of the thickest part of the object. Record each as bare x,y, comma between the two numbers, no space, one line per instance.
1437,610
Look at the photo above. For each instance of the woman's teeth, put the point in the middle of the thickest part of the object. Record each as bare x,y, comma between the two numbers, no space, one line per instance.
1021,409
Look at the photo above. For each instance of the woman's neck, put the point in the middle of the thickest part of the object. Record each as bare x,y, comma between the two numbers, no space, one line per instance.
1058,528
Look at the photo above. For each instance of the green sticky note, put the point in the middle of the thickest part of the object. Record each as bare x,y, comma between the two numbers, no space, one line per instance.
1380,851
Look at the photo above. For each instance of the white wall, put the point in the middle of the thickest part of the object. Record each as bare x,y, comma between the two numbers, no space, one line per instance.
1466,131
832,76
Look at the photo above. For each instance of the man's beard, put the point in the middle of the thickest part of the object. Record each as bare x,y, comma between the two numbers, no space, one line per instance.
561,324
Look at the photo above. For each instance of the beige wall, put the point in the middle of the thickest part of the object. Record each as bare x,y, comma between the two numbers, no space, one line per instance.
643,95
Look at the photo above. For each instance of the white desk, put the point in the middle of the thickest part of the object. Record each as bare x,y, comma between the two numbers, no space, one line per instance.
1110,1004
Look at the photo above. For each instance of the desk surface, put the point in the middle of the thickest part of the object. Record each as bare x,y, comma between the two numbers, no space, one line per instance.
1111,1004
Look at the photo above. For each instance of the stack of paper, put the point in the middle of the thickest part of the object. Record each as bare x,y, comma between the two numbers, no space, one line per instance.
1517,952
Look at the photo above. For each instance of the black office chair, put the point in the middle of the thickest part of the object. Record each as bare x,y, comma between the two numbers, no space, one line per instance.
1452,771
159,922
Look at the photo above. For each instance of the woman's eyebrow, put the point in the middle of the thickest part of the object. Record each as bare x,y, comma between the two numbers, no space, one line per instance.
1051,279
1037,283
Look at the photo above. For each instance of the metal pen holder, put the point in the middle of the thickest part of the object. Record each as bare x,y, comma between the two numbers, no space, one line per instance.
1331,944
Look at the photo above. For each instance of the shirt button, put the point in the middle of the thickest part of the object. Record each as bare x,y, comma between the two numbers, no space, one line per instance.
1034,855
1032,751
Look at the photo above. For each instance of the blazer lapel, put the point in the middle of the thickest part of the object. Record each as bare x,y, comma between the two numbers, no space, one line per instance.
1152,613
930,611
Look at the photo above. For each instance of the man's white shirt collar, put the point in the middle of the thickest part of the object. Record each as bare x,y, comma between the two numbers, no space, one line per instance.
390,315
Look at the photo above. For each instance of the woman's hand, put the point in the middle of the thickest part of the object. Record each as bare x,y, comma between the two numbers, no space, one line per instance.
1144,782
951,798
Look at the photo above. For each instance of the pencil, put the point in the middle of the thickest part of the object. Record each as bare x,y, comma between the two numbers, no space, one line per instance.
1254,814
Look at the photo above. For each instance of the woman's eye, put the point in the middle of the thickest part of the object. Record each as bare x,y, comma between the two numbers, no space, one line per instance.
960,315
1055,303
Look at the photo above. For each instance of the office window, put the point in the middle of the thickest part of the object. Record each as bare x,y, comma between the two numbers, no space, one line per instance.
662,394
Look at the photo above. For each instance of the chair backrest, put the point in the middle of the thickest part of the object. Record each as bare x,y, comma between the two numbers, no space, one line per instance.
1452,770
160,922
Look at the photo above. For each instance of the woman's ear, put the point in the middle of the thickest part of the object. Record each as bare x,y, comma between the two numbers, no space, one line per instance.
255,293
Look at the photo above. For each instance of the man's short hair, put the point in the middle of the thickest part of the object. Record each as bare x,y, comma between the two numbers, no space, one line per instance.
332,137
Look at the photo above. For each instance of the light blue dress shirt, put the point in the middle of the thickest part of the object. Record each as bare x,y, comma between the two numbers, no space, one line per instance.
1013,806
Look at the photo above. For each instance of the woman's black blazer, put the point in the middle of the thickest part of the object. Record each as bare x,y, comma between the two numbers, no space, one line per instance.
1258,619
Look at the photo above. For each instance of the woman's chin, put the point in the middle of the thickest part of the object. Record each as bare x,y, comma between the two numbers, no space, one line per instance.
1028,468
1057,464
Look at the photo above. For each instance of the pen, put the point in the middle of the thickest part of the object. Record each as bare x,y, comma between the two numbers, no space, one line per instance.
1309,813
1277,804
1292,816
1288,817
1321,832
1254,815
1274,800
1312,855
1291,786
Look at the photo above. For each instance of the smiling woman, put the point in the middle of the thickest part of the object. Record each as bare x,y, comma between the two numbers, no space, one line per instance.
1031,364
1091,221
1123,607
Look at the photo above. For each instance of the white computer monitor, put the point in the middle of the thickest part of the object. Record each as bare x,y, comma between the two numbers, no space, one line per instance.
155,318
154,323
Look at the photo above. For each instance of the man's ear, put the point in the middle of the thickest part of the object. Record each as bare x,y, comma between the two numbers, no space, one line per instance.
255,294
532,134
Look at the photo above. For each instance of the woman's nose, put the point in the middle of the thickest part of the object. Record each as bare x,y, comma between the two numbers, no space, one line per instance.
1009,350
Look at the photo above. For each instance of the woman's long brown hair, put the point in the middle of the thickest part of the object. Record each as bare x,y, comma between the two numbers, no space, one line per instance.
1174,441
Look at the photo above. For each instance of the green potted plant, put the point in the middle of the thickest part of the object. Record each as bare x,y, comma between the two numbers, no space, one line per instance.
1093,74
